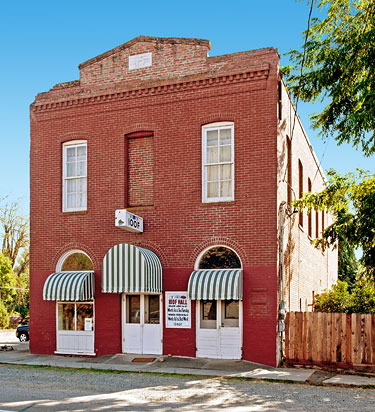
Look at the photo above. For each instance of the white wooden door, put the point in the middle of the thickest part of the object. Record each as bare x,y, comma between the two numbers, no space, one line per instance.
219,329
142,328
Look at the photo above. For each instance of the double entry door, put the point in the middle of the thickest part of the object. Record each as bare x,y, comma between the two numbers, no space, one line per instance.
219,329
142,324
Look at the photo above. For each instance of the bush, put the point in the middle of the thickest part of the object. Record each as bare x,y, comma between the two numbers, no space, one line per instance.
339,299
4,316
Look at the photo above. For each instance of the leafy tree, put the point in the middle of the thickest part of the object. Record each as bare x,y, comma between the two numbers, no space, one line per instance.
14,232
348,268
7,291
339,299
351,199
4,317
338,67
336,300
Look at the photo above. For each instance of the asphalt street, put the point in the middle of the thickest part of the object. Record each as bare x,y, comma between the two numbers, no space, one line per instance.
43,389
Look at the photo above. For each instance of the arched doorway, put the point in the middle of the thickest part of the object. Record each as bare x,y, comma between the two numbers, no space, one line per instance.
216,285
72,287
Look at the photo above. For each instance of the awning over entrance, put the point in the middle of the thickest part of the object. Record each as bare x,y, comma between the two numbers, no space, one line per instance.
129,268
215,284
71,286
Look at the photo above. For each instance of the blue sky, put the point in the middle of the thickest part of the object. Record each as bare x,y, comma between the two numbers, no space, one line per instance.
43,42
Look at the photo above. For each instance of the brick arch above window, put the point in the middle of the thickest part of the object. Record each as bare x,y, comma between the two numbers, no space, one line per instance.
139,127
74,246
216,117
72,136
214,242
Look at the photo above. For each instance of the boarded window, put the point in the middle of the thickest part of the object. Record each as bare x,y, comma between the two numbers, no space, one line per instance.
140,169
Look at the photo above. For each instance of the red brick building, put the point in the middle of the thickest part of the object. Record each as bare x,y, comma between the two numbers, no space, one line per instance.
201,148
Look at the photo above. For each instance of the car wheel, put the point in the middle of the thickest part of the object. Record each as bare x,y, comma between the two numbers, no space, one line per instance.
24,337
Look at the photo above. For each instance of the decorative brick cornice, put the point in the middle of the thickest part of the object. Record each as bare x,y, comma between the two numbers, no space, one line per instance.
252,74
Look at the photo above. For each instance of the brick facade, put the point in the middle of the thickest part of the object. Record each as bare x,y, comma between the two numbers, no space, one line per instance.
173,98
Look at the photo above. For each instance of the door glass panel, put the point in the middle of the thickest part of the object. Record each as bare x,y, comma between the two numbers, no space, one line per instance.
208,314
66,316
84,311
133,309
230,313
152,310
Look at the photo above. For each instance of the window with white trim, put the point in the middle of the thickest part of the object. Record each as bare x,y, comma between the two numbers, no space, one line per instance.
218,162
74,176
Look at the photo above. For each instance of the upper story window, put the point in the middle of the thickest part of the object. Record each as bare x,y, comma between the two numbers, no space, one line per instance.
218,162
74,176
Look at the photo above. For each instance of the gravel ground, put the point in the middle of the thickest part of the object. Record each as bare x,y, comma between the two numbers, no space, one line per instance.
40,389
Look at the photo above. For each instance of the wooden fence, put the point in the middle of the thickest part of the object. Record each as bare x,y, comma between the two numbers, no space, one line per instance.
335,339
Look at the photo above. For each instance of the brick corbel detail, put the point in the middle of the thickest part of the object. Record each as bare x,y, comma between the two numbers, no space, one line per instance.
254,74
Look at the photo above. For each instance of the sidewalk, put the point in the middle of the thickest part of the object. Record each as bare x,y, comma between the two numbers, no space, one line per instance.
20,355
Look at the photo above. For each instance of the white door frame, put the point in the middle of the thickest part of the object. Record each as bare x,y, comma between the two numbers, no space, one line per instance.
74,335
219,327
142,319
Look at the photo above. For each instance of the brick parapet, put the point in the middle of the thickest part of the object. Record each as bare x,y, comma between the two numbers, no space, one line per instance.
51,101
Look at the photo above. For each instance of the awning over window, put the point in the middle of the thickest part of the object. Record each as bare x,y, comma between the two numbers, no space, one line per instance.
128,268
76,286
215,284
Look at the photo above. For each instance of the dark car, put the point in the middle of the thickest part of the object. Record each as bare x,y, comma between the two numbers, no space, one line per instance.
23,333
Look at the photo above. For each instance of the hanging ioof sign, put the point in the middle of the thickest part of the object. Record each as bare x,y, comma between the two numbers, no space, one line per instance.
128,221
178,310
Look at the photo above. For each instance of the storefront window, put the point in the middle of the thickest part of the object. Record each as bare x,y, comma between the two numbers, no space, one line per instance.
208,314
230,313
84,316
152,311
133,309
75,316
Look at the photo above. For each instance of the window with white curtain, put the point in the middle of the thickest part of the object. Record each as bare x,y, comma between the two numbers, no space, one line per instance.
218,162
74,176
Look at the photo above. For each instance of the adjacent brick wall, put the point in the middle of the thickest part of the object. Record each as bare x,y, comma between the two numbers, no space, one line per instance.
307,269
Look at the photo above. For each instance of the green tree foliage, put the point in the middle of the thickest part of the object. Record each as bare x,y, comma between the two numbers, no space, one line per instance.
14,232
4,317
339,68
351,199
7,291
339,299
336,300
348,267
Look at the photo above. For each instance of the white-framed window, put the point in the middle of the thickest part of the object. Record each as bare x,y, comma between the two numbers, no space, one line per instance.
218,162
74,176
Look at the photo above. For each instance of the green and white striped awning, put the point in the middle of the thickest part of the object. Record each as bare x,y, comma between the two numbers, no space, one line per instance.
215,284
72,286
129,268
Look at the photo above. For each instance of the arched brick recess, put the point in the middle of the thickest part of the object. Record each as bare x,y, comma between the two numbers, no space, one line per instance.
79,246
218,240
